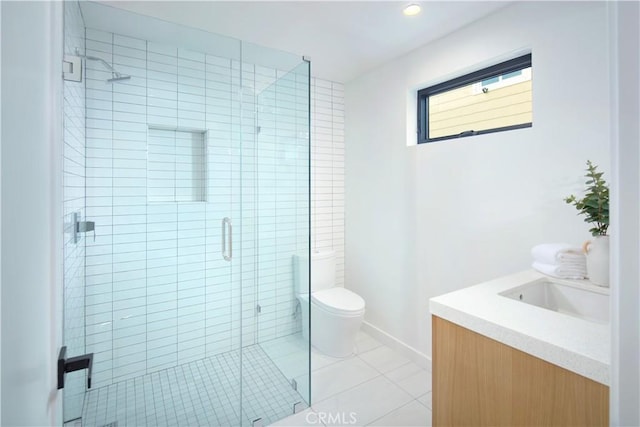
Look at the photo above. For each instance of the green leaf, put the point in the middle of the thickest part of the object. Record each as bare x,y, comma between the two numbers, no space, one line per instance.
595,203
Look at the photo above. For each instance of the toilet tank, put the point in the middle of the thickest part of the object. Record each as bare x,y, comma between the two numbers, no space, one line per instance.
323,271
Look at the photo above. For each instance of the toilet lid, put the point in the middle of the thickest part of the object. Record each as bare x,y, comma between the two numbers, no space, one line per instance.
339,299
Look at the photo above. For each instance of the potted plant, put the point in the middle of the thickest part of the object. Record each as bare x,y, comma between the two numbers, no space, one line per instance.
595,207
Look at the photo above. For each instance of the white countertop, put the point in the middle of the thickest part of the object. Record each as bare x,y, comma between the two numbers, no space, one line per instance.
572,343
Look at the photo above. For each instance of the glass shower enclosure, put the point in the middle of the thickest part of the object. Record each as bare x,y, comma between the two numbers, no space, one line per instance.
186,203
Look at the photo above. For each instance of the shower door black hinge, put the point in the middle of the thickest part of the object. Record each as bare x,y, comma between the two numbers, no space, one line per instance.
73,364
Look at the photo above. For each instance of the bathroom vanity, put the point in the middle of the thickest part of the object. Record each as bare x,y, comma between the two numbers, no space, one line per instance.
521,350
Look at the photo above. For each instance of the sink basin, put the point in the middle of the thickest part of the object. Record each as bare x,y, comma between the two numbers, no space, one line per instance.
584,301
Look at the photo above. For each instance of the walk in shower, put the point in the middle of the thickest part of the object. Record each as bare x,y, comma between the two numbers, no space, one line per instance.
186,198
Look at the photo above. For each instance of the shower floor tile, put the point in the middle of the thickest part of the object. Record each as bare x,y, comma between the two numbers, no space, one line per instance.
201,393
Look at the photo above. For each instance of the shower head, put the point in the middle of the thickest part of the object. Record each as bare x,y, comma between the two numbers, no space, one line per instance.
116,76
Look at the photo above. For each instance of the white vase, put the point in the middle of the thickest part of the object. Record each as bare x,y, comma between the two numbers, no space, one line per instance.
597,251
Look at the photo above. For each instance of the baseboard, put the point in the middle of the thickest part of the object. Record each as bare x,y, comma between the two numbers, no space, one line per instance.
403,348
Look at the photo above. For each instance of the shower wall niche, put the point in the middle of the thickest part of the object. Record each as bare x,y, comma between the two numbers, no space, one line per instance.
176,165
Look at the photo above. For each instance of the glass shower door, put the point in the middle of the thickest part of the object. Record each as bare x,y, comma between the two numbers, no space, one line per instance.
186,210
275,212
164,324
152,293
74,207
166,319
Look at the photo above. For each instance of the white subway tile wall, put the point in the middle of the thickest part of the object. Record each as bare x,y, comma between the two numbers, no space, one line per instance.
158,292
73,194
327,164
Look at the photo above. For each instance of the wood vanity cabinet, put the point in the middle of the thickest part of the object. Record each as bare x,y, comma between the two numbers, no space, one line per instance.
478,381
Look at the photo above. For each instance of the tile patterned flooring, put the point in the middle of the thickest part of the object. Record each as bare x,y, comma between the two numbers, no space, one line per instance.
376,387
201,393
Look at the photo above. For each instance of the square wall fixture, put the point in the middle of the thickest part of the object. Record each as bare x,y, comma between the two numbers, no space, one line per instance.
176,165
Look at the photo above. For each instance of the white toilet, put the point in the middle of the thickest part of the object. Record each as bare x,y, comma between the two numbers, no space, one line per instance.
336,312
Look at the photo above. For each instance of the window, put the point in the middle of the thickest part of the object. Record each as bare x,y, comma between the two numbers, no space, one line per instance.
493,99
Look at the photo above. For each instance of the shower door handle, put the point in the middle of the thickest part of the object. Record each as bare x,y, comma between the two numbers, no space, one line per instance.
226,225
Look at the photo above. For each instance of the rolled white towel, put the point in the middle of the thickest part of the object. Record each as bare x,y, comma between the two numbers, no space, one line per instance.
556,253
561,271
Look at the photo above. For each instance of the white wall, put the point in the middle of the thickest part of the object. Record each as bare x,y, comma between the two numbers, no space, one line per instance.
425,220
625,202
31,211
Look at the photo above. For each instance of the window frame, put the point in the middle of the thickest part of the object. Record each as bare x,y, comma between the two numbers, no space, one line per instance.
505,67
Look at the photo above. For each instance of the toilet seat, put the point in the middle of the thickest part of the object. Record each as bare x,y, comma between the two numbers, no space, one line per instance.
339,301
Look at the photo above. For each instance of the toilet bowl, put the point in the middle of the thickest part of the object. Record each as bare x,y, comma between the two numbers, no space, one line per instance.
336,313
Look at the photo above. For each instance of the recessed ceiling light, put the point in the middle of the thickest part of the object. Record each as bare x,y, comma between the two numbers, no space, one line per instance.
411,10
